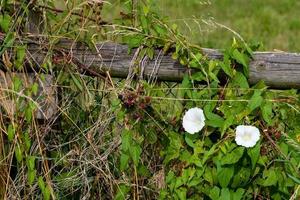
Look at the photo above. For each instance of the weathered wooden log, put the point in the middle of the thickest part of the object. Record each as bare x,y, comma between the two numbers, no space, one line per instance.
277,69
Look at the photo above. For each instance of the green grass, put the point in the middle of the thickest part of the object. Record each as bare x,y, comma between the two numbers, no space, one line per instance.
275,23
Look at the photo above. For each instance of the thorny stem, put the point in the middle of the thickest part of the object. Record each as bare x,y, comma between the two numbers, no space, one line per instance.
74,13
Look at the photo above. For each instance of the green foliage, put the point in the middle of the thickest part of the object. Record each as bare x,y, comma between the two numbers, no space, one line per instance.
5,21
20,52
130,149
223,170
274,24
123,139
233,156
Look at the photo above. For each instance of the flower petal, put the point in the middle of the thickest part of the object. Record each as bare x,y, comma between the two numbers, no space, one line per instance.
247,136
193,120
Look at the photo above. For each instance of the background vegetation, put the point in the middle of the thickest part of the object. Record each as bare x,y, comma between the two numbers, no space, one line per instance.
274,23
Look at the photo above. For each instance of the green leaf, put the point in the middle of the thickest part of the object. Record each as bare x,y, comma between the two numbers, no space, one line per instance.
188,174
267,113
284,147
47,193
41,184
186,83
198,76
17,83
126,140
239,57
187,157
255,101
122,192
124,160
18,153
150,53
151,137
254,154
145,23
10,132
296,180
226,66
241,177
195,62
183,60
179,182
134,41
213,120
21,53
146,10
167,47
161,31
173,149
29,113
276,196
5,21
181,193
143,171
208,175
260,86
31,162
189,140
213,76
227,123
163,194
269,178
212,65
27,141
225,175
242,59
35,88
214,193
135,153
174,27
77,82
233,157
238,194
195,180
170,177
225,194
209,153
8,42
31,176
175,56
239,80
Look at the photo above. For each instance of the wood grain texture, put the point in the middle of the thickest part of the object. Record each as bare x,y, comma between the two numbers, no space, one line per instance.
277,69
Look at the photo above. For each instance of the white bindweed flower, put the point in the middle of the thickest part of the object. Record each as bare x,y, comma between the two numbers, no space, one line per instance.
247,136
193,120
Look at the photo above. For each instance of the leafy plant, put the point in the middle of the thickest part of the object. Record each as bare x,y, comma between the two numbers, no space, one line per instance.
123,139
